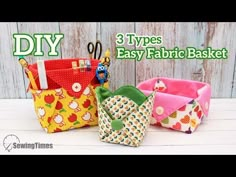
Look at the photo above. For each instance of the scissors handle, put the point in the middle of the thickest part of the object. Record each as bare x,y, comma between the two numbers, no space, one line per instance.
90,48
98,43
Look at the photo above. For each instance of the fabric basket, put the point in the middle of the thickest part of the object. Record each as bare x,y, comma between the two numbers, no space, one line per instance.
69,101
179,104
124,115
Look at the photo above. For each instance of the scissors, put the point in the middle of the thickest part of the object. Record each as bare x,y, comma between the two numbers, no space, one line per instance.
93,49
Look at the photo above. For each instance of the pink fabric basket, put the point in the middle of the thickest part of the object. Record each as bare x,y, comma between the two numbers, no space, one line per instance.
179,104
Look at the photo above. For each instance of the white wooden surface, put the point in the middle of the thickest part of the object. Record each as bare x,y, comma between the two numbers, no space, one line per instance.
216,135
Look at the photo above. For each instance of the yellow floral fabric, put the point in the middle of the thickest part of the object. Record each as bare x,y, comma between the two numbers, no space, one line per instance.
59,111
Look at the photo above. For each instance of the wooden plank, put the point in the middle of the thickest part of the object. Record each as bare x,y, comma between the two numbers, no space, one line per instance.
217,35
98,32
220,72
23,109
126,150
77,137
31,28
76,38
234,81
122,71
11,74
189,35
149,68
33,125
215,135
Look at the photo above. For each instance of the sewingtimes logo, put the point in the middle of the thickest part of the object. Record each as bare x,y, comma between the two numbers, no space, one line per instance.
11,142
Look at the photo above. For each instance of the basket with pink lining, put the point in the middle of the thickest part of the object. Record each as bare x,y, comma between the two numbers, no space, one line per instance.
179,104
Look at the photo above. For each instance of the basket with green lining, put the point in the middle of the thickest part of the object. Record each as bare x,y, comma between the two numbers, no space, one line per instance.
123,115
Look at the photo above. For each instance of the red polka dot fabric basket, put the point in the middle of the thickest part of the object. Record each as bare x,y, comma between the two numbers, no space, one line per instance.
69,100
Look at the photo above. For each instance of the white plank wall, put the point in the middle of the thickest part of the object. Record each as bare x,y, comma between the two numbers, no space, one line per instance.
122,71
234,81
220,74
31,28
76,38
11,74
234,78
190,34
146,69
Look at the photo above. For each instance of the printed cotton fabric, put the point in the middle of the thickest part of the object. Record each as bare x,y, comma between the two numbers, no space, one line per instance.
179,104
58,111
135,118
69,102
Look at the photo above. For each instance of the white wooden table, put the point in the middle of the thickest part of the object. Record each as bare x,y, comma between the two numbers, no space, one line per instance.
216,135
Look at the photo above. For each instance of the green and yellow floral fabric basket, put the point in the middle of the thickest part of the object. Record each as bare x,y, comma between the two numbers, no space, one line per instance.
124,115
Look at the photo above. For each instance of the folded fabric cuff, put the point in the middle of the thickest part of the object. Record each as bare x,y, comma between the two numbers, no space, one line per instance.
172,94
